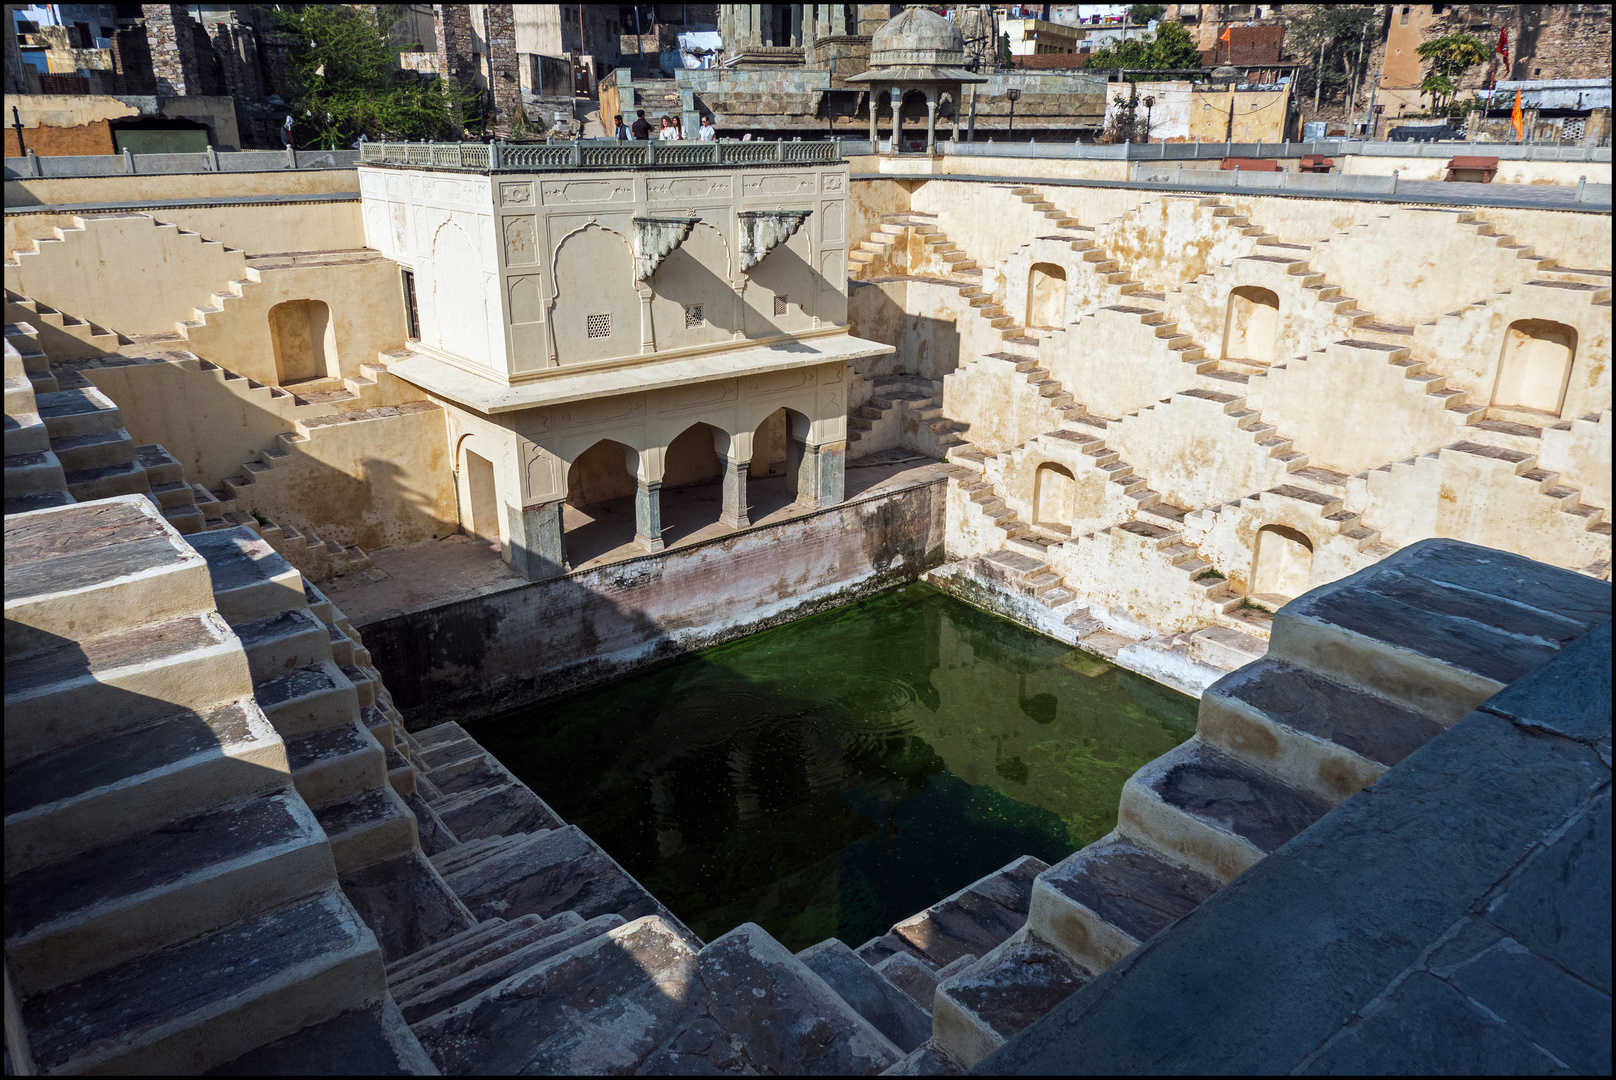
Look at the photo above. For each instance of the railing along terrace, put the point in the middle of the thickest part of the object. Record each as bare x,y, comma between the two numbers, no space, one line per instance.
597,154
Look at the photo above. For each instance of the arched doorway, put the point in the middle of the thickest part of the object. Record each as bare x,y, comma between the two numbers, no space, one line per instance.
1054,490
1251,326
304,340
1535,366
692,478
1282,564
1046,296
912,124
776,456
482,498
599,515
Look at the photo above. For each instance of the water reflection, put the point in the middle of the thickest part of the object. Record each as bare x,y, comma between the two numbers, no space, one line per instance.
831,776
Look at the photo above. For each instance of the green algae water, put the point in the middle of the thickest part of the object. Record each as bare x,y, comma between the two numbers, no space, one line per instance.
830,777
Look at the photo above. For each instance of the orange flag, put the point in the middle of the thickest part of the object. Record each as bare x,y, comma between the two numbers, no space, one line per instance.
1225,36
1516,119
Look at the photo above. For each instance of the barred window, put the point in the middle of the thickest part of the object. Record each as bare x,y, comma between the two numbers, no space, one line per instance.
779,305
693,316
600,326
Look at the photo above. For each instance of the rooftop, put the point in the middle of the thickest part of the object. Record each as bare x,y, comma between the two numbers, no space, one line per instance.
597,154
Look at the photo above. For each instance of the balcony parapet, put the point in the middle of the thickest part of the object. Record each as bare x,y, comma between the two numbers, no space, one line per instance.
590,154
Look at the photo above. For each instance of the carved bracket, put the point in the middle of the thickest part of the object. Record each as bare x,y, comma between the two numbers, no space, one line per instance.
655,238
764,230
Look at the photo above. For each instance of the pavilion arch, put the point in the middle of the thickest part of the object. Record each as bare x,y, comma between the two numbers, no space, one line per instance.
601,473
692,456
597,308
304,340
1046,295
1281,563
1251,324
1534,366
1054,495
479,489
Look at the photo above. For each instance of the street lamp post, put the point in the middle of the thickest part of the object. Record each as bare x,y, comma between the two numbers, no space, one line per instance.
1014,95
1150,103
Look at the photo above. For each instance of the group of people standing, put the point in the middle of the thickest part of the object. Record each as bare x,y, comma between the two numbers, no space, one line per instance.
672,128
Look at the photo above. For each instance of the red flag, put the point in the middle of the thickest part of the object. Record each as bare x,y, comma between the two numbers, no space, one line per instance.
1503,44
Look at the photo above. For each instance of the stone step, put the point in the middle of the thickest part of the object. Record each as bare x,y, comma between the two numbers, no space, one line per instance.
336,763
979,1009
1103,902
917,978
308,699
250,581
1310,731
82,571
284,641
469,854
504,809
447,985
870,994
974,920
106,481
554,871
136,897
78,692
87,796
1212,811
1433,633
161,466
82,411
407,967
190,1008
96,450
35,478
370,1040
368,828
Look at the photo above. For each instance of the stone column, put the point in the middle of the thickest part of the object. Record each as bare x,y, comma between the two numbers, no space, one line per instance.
838,20
734,512
897,119
820,474
931,122
173,49
648,514
810,34
538,542
796,25
503,78
875,102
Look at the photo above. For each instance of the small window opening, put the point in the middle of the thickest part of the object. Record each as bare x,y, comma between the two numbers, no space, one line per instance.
412,316
693,316
600,326
779,305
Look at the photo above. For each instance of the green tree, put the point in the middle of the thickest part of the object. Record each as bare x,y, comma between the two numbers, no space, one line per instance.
349,83
1340,28
1172,50
1448,58
1144,13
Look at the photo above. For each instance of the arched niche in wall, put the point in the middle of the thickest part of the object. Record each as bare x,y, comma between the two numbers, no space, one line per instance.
597,310
304,341
1535,366
459,310
783,290
600,474
693,302
1251,324
1281,563
1046,295
769,445
1054,491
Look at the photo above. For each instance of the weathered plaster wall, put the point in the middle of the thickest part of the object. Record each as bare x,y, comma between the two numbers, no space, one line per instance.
122,189
478,656
1509,172
257,228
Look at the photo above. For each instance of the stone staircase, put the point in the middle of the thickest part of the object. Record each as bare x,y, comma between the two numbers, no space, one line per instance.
909,243
891,411
88,455
1034,198
155,834
1347,690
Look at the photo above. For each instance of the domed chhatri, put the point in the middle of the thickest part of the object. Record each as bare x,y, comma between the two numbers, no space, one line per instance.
917,36
916,51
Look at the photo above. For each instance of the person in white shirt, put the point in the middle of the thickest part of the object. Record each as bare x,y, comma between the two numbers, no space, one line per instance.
706,132
669,133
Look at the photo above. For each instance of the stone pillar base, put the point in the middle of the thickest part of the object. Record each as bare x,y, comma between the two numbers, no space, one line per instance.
538,542
733,513
821,475
648,514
